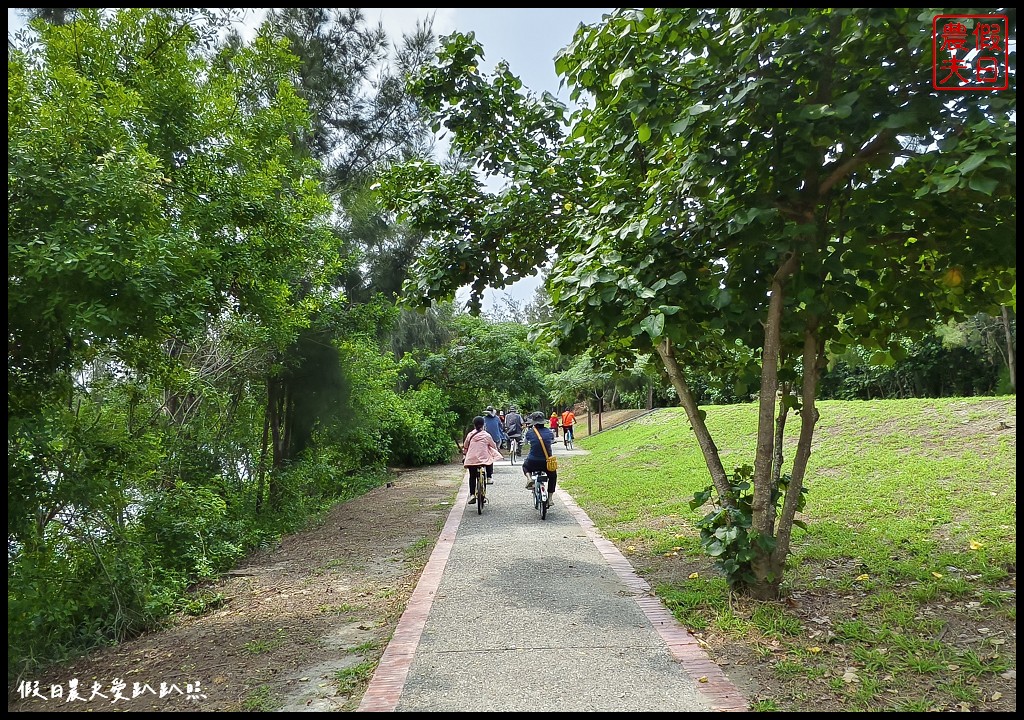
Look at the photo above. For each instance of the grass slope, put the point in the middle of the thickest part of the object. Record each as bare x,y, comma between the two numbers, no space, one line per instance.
902,592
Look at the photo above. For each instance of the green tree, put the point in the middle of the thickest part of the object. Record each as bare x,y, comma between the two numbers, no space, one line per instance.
486,363
779,180
159,213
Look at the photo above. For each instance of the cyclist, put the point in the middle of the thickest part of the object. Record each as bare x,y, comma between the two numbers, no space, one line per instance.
514,424
568,420
492,423
553,424
478,455
536,460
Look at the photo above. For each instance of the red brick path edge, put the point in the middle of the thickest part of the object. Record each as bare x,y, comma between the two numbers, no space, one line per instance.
721,694
388,680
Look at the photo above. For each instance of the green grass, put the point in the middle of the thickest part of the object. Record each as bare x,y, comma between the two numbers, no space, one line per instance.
911,514
356,676
265,645
260,700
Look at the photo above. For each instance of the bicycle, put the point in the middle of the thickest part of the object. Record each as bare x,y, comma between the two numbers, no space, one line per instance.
540,492
567,434
481,488
515,449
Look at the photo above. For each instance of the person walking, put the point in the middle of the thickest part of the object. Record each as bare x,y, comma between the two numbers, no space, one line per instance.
479,452
553,423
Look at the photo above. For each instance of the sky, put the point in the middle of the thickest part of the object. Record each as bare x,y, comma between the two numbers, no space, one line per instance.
526,38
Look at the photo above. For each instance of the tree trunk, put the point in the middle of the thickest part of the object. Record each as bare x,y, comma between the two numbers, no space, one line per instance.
263,454
1011,355
765,567
707,445
276,410
650,397
813,361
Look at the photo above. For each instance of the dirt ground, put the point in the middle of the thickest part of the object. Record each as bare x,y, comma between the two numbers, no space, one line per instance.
299,628
302,626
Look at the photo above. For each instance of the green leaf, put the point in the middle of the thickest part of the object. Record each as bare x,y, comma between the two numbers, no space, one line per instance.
644,133
654,325
699,109
972,162
619,76
679,126
983,184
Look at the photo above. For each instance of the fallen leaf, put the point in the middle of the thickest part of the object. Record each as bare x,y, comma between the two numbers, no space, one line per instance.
702,678
975,545
693,576
1009,675
865,576
850,676
814,649
630,548
935,574
996,695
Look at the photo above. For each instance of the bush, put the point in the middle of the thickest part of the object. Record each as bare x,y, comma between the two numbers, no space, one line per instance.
424,432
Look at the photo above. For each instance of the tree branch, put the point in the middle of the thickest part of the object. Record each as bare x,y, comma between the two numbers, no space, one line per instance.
863,155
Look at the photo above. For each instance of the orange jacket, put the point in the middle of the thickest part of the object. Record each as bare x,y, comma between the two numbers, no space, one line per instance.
568,418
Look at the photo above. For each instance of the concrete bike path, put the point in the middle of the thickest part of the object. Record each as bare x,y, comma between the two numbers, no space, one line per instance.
516,613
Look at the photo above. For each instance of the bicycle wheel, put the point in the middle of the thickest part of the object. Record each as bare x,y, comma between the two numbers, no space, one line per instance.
543,498
536,491
481,484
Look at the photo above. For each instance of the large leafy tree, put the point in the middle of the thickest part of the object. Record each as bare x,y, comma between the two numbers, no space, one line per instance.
158,210
778,181
362,118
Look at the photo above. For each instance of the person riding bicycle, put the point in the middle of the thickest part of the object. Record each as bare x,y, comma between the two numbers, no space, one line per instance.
536,460
513,423
493,425
494,428
479,452
568,420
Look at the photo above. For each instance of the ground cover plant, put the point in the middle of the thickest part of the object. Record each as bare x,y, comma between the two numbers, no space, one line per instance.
901,592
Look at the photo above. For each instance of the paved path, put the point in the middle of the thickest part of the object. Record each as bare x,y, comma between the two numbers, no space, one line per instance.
515,613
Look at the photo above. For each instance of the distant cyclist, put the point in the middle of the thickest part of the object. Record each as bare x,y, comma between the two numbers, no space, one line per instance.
536,460
568,421
492,423
514,423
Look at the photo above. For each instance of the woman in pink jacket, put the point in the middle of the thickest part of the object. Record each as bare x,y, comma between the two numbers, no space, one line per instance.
479,451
